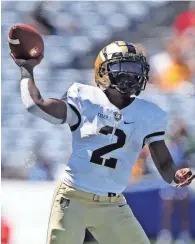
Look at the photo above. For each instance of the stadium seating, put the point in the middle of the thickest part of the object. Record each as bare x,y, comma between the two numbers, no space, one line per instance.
96,23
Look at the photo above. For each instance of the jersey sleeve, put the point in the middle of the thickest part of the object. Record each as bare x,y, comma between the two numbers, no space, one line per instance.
156,126
72,98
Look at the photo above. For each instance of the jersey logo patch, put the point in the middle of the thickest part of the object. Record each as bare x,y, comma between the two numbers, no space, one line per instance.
117,116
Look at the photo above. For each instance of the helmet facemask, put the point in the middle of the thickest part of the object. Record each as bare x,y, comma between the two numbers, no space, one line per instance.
127,75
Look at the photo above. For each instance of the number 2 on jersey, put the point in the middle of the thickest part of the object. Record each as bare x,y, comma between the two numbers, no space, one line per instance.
96,156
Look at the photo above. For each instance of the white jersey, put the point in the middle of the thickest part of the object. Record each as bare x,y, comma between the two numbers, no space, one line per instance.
106,140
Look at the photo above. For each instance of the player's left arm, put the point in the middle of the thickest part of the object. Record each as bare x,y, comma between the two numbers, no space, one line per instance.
166,166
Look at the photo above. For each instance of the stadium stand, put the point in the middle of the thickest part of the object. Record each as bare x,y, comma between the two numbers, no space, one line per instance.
81,29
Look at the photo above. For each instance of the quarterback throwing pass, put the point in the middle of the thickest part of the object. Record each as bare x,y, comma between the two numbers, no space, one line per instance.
110,126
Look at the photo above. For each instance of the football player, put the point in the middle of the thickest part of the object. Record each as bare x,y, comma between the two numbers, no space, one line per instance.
110,126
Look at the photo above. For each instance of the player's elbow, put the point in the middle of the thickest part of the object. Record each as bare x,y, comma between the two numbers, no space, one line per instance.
35,110
31,108
31,105
31,102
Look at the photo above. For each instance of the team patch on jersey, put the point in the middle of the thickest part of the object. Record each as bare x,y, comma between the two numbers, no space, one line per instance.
117,116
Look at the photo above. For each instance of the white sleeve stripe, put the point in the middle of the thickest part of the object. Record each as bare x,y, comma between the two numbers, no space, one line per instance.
32,107
153,139
149,137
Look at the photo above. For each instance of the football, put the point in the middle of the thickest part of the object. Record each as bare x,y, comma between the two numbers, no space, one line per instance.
25,42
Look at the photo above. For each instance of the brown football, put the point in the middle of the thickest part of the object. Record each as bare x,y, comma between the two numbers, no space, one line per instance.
25,42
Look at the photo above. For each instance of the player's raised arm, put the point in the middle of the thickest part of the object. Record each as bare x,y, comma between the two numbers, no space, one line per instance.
52,110
166,166
27,48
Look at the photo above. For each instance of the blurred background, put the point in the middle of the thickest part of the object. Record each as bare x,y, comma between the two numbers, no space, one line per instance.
74,33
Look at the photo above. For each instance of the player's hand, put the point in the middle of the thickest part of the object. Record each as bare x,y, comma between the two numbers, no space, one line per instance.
184,176
31,63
